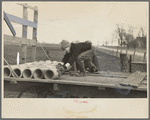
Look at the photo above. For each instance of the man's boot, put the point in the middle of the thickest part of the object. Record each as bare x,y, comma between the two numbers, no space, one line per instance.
93,69
83,74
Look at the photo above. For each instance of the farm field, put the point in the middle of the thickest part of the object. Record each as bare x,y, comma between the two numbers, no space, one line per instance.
137,56
142,50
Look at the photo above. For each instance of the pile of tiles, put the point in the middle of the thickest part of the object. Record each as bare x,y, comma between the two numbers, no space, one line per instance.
35,70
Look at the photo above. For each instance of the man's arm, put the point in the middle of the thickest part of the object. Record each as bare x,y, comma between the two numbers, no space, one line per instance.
66,58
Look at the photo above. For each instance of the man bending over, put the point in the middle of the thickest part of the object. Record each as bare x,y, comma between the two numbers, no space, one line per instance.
80,53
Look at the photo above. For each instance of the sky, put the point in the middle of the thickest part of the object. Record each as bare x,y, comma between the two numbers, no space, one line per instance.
72,21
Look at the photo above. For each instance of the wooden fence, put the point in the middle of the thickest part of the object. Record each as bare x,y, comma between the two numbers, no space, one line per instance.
25,24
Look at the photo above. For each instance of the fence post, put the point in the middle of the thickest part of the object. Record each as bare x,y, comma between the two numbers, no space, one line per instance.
134,55
130,61
117,52
34,36
113,52
127,51
24,35
144,58
124,63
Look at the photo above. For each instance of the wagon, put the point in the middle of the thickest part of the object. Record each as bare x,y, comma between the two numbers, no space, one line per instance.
103,84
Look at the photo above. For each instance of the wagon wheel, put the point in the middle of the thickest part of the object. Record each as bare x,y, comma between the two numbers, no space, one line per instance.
39,92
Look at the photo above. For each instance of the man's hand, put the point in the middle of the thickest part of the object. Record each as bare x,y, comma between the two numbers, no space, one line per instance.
59,65
68,66
60,69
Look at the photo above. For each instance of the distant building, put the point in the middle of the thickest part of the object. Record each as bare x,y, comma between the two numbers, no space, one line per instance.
141,41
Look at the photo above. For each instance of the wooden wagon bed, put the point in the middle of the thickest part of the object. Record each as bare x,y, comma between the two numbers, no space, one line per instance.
102,79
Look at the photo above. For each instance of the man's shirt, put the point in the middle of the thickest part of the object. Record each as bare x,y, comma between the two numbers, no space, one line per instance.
75,50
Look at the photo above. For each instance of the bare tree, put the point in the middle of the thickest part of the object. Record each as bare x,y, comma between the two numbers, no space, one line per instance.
120,31
142,32
128,34
131,28
114,37
106,42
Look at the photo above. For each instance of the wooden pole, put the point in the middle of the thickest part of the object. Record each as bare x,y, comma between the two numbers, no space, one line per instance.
34,36
24,35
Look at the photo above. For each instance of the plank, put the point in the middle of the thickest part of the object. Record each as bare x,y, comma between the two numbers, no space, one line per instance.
33,53
87,80
18,40
24,53
34,36
64,81
9,24
107,74
114,73
92,79
24,28
135,79
139,62
21,21
25,5
24,35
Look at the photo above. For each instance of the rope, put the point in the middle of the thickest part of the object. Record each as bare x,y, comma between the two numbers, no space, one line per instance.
43,50
10,68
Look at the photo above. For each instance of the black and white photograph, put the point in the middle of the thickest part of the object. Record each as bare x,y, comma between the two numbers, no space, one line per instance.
75,59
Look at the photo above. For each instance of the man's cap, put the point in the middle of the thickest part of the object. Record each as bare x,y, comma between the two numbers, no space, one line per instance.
65,44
